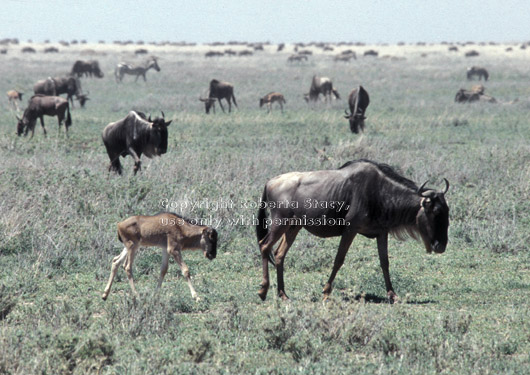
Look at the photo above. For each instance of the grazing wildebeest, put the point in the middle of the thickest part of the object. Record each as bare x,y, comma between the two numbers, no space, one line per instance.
344,58
213,54
371,52
475,95
219,90
471,53
361,197
172,233
477,71
87,68
124,68
40,105
133,135
271,98
358,102
453,48
14,97
61,85
51,50
245,52
298,58
321,85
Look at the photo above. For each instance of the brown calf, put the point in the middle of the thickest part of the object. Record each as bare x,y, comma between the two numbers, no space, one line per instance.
14,96
271,98
168,231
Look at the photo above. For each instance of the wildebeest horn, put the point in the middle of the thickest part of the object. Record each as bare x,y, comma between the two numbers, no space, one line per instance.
446,186
163,116
149,118
18,118
420,190
348,115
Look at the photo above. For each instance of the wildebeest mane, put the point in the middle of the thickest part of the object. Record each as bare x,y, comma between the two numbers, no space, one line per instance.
387,170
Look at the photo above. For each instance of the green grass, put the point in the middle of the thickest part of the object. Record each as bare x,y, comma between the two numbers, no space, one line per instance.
463,312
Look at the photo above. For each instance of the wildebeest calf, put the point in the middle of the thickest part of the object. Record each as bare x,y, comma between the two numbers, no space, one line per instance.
168,231
14,97
271,98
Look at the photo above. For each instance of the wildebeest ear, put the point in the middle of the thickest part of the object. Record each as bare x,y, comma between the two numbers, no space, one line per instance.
167,123
18,118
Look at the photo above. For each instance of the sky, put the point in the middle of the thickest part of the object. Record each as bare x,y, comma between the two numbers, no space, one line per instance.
204,21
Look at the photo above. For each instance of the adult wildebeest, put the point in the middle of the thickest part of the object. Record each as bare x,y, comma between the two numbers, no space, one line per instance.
361,197
477,71
321,85
271,98
358,102
475,95
87,68
125,68
371,52
172,233
40,105
133,135
219,90
61,85
213,54
471,53
14,97
298,58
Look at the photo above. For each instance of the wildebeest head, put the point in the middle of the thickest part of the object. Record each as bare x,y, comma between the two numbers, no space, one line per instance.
209,242
433,219
208,103
261,102
22,124
356,121
157,144
83,99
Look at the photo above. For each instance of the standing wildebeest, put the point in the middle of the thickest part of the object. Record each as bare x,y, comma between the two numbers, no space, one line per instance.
61,85
271,98
168,231
477,71
87,68
134,135
124,68
14,96
321,85
219,90
358,102
298,58
40,105
361,197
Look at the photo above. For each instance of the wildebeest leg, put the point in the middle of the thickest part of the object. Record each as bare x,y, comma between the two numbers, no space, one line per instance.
41,124
136,157
164,266
116,262
175,251
286,242
266,245
382,248
344,245
221,104
128,266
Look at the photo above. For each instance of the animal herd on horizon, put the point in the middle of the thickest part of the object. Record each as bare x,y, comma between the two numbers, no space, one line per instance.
378,200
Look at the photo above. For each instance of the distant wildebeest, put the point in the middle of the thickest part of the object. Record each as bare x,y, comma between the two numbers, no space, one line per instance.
219,90
245,52
453,48
344,58
230,52
298,58
358,101
213,54
62,85
471,53
87,68
271,98
477,71
133,135
14,97
51,50
321,85
28,50
172,233
281,46
305,52
40,105
371,52
361,197
475,95
124,68
141,51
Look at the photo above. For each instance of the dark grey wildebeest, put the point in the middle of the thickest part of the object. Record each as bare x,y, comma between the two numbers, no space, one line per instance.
321,85
219,90
40,105
125,68
87,68
476,71
358,102
133,135
71,86
361,197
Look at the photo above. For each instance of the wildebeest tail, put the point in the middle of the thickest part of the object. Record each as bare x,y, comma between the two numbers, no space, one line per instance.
68,117
261,227
234,99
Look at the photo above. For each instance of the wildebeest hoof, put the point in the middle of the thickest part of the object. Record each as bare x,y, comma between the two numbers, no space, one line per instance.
283,296
392,297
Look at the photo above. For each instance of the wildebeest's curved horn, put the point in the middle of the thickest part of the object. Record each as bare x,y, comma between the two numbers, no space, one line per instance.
149,118
420,189
18,118
163,116
446,186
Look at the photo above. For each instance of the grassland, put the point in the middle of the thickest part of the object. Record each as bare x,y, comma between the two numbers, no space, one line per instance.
463,312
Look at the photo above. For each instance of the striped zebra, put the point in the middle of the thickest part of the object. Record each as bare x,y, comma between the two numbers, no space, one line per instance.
124,68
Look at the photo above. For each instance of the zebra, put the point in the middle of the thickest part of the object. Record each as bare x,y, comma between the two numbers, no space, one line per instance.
124,68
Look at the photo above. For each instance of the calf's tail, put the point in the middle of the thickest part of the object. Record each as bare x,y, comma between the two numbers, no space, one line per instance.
261,227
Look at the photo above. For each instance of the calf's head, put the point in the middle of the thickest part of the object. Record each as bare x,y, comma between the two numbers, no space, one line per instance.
433,219
209,242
